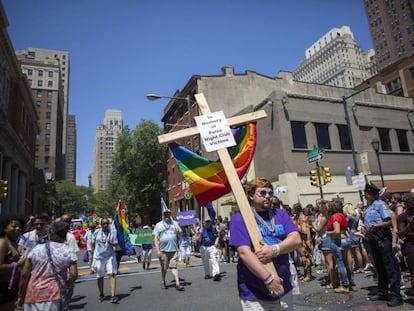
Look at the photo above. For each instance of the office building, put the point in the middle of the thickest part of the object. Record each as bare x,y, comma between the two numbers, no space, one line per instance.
335,59
105,146
43,69
71,149
391,24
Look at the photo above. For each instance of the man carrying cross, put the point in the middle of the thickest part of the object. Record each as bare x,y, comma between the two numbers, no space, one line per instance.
252,237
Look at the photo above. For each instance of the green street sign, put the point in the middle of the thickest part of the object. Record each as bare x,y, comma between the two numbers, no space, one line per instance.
315,154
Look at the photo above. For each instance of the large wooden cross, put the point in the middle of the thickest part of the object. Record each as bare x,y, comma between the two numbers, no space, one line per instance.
229,169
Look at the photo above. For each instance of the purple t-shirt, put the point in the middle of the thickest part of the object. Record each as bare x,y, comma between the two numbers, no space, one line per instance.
250,287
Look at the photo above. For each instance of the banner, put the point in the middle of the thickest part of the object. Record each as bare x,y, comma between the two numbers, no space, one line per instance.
187,218
142,236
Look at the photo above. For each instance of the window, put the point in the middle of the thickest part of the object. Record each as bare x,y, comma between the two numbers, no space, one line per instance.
39,93
50,74
48,115
50,83
384,135
47,148
38,103
402,140
47,126
49,104
47,159
47,137
322,135
49,94
298,134
30,82
344,138
29,71
39,83
40,73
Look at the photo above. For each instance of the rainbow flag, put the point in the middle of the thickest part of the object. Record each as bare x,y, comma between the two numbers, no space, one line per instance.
122,230
207,178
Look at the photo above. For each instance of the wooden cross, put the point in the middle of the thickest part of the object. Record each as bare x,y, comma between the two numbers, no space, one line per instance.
229,169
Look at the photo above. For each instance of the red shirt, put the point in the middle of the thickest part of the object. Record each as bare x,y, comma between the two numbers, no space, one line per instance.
339,218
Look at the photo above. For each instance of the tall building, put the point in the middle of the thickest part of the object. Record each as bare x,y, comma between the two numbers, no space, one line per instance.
335,59
105,146
391,23
71,149
48,80
18,128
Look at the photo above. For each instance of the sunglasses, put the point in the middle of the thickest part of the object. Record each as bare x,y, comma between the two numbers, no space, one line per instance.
39,224
263,193
105,223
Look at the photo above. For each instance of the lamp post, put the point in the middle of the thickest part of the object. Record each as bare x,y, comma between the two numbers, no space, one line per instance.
375,145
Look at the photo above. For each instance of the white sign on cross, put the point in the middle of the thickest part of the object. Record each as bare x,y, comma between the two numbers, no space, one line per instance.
229,169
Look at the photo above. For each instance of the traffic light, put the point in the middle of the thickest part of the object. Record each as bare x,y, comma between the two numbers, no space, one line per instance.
326,175
314,178
3,188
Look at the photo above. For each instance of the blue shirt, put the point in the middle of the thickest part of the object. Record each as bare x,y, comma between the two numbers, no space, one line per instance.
103,249
376,212
166,232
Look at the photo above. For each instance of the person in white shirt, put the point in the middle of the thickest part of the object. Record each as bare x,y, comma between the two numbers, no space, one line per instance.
36,236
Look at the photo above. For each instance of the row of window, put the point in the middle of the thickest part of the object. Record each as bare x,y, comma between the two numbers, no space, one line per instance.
39,73
39,104
323,139
40,83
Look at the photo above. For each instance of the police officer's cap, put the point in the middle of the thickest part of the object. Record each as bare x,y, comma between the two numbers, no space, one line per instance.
371,188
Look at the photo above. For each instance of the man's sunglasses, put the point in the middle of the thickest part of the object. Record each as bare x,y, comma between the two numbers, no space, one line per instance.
262,193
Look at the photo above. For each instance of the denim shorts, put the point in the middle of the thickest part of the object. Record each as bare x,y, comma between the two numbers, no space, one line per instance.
326,243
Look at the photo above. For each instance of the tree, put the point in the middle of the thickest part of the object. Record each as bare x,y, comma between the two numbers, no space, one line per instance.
138,169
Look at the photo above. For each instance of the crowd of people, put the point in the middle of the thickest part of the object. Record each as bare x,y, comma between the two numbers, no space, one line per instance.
330,238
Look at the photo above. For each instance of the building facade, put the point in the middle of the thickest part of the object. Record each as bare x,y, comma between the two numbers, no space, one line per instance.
105,146
391,24
18,128
44,79
336,59
71,149
302,116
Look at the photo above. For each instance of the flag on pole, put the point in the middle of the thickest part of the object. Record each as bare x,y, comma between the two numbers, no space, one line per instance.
163,207
122,230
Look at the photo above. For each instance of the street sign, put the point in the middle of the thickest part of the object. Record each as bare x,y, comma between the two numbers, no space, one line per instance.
358,182
315,155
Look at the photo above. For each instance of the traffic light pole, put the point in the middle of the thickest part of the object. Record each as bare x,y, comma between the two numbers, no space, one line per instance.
319,179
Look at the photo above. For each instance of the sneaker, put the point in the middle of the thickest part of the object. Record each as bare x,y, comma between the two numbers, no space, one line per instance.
368,267
206,277
114,299
101,298
217,278
179,288
163,285
341,289
353,288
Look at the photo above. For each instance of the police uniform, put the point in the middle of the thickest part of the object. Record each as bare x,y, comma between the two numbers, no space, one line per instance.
380,240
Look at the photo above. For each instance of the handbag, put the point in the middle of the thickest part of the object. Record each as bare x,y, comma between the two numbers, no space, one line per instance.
86,257
64,299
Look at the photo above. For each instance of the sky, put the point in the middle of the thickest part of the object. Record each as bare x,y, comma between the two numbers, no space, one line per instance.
121,50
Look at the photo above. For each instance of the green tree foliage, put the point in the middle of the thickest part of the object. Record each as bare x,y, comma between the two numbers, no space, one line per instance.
138,169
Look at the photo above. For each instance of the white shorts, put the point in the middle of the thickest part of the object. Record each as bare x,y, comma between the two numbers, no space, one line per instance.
106,265
185,251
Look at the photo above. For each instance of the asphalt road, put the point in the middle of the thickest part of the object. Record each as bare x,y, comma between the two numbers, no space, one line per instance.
140,289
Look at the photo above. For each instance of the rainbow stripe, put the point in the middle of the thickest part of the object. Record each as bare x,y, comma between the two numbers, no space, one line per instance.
122,230
206,178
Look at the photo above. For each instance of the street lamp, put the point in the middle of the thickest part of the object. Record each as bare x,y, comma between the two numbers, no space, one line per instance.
376,145
187,99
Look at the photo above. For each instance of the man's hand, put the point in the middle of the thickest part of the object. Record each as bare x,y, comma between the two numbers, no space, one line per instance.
265,252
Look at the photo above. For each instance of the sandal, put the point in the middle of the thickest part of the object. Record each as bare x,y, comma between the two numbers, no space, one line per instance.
164,286
329,286
179,288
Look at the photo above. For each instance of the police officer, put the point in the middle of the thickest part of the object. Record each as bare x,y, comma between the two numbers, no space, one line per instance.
378,230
